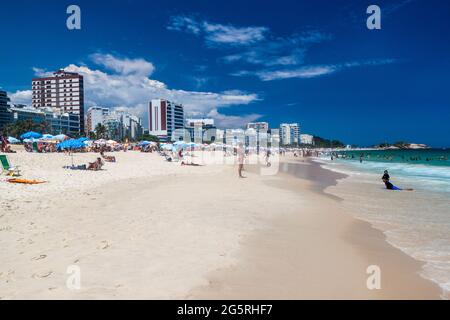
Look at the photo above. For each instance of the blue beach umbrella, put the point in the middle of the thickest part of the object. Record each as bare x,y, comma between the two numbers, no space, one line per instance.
71,144
144,143
31,135
13,140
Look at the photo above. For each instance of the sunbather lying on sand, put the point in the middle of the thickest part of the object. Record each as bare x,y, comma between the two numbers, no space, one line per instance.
97,165
108,158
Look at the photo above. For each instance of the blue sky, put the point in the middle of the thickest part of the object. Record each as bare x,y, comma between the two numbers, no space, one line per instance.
312,62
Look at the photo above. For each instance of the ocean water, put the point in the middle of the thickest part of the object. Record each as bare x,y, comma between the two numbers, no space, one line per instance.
417,222
428,169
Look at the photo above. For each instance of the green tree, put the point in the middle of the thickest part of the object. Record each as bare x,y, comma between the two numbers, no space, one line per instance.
100,131
150,137
326,143
17,128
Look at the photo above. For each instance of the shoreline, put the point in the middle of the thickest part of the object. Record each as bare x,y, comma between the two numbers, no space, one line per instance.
171,232
416,225
400,277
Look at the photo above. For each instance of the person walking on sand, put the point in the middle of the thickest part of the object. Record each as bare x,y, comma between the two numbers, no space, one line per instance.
241,156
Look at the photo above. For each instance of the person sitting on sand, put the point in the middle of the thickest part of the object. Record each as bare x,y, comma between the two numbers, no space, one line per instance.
95,166
389,186
107,158
4,143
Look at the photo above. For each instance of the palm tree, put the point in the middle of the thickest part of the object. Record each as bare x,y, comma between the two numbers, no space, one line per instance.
100,131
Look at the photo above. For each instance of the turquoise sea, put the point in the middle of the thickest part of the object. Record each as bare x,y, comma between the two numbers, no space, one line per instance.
426,169
416,222
434,157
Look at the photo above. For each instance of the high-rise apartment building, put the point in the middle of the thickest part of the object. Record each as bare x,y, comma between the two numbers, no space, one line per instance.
5,114
95,116
258,126
64,92
164,118
289,133
307,139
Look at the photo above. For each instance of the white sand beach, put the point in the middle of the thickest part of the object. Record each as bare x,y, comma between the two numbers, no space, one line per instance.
144,228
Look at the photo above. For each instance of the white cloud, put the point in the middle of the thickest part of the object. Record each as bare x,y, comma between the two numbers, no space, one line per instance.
127,86
218,34
20,97
232,122
123,66
307,72
184,23
228,34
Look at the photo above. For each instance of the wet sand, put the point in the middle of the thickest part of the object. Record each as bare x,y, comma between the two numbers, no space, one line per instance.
320,252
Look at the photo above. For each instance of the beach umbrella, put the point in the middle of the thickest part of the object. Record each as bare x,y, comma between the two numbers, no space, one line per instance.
31,135
100,141
47,137
13,140
71,144
61,137
144,143
30,140
111,142
167,146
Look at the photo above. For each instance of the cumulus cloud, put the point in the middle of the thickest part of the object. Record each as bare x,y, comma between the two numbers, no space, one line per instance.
125,84
230,121
20,97
124,66
218,34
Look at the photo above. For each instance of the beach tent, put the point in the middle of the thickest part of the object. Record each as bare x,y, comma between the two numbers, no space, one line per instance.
13,140
30,135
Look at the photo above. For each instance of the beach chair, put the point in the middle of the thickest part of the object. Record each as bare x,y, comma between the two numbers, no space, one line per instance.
6,167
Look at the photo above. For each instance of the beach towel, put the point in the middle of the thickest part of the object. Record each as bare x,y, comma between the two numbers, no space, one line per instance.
25,181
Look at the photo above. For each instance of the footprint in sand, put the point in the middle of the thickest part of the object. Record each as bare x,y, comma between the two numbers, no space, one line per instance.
43,274
103,245
42,256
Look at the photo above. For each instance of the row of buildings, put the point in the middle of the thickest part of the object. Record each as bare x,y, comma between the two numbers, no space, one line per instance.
288,133
58,101
118,125
166,118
